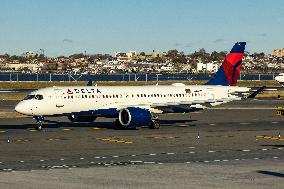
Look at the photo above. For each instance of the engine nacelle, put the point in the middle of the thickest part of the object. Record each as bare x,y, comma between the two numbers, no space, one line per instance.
77,118
132,117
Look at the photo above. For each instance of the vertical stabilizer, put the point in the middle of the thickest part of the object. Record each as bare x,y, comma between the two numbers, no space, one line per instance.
229,72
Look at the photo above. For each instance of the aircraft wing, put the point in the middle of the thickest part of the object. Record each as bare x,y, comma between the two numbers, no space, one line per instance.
170,107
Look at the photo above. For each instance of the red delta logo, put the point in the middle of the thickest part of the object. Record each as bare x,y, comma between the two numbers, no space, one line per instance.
69,91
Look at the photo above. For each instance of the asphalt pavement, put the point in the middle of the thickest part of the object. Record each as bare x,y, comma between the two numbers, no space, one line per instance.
236,141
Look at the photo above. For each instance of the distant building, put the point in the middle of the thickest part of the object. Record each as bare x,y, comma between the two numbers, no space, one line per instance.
24,66
28,54
278,52
131,54
124,57
167,68
207,67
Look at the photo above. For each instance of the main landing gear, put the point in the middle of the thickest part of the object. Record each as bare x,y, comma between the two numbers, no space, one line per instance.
155,124
39,122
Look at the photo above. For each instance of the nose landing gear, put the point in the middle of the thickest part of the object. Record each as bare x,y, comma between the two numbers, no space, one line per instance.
39,122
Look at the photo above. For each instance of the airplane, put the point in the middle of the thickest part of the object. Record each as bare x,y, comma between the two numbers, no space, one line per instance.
280,79
134,106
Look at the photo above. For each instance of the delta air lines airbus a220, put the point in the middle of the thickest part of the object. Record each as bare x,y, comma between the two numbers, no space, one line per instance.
137,105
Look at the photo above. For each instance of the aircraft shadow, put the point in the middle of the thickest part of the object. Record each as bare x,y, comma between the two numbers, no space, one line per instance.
275,145
105,125
271,173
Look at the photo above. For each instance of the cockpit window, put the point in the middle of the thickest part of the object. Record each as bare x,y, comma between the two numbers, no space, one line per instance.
29,97
37,97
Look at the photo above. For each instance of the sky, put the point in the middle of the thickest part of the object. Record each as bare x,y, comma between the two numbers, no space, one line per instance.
64,27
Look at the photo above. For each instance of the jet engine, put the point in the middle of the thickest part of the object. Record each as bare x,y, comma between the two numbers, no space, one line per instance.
132,117
80,118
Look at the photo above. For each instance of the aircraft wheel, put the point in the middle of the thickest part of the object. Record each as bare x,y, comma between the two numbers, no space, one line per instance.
154,124
38,127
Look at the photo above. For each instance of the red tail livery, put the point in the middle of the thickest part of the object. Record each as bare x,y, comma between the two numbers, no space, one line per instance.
229,72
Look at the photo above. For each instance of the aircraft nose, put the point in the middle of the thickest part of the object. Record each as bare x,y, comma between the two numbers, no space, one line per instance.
21,108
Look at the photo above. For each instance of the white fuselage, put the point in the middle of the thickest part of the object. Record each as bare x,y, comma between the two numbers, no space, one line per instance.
66,100
280,78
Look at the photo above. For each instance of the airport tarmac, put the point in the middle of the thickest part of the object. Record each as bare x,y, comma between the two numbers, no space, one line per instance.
233,145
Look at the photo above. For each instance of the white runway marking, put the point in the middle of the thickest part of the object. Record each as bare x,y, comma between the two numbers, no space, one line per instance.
115,156
149,162
61,159
212,124
82,158
41,160
245,150
274,122
211,151
152,154
170,153
136,161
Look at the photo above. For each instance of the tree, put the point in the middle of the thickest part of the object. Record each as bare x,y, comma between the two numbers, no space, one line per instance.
142,53
76,56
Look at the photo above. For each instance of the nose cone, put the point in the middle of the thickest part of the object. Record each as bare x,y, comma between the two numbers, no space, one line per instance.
22,108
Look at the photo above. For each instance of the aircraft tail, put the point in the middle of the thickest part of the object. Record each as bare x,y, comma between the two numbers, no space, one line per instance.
229,72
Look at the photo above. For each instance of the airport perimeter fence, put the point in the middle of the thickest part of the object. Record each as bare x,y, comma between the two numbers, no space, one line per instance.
122,77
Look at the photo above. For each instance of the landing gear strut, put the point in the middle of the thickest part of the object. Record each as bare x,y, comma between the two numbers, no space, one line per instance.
39,122
155,124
